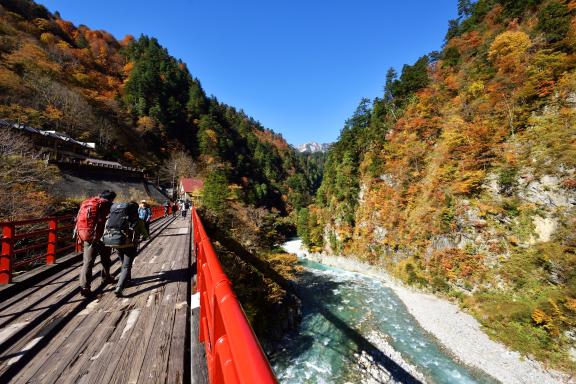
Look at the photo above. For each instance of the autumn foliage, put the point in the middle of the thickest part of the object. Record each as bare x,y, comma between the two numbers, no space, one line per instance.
137,103
459,178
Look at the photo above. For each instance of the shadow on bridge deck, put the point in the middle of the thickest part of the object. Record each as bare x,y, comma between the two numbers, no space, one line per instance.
49,333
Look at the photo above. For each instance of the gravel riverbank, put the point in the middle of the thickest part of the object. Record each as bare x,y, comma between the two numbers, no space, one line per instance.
456,330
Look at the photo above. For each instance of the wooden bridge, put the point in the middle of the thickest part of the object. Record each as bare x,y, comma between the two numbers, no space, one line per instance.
49,333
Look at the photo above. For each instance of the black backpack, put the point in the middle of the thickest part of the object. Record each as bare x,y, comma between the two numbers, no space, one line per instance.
119,228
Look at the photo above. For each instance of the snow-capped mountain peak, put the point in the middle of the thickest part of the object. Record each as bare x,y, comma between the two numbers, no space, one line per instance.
313,147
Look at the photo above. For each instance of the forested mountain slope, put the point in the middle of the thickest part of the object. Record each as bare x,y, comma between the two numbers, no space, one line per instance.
461,177
138,104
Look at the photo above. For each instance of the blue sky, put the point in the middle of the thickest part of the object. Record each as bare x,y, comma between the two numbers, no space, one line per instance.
299,67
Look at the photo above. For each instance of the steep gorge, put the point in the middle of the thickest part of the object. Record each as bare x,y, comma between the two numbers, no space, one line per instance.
461,178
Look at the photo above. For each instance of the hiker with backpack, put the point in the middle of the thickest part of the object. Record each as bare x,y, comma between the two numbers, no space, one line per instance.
145,214
88,230
122,232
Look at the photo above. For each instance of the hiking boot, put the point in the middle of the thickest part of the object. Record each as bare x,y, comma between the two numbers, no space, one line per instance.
85,292
118,292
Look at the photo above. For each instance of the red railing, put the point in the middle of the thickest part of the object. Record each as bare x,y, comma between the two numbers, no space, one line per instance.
158,212
233,354
22,239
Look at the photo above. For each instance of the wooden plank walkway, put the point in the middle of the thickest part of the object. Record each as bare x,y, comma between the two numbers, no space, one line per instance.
49,333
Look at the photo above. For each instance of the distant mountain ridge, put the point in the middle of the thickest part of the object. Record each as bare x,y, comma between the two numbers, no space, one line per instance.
313,147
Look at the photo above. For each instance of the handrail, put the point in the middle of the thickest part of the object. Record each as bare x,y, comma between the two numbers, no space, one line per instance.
49,240
21,237
158,212
233,353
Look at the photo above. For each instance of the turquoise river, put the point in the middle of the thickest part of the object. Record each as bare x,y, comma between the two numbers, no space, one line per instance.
355,329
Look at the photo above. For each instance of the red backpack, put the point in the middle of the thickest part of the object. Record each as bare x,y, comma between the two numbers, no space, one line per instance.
91,218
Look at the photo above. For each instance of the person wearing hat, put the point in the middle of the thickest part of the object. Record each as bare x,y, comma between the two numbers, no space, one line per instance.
145,214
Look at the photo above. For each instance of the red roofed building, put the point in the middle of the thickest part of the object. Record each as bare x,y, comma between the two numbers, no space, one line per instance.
190,189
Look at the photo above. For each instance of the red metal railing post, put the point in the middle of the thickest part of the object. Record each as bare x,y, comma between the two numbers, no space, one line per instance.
52,240
7,255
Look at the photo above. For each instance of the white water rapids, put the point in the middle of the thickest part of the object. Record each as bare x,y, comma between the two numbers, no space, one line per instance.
356,330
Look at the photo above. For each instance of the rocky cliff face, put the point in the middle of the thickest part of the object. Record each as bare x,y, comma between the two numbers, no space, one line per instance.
507,251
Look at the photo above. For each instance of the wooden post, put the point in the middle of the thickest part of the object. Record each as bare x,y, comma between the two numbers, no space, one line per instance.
7,255
52,240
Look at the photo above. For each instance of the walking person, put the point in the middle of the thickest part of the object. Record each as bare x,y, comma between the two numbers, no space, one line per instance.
123,231
90,222
174,209
184,209
145,214
166,208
